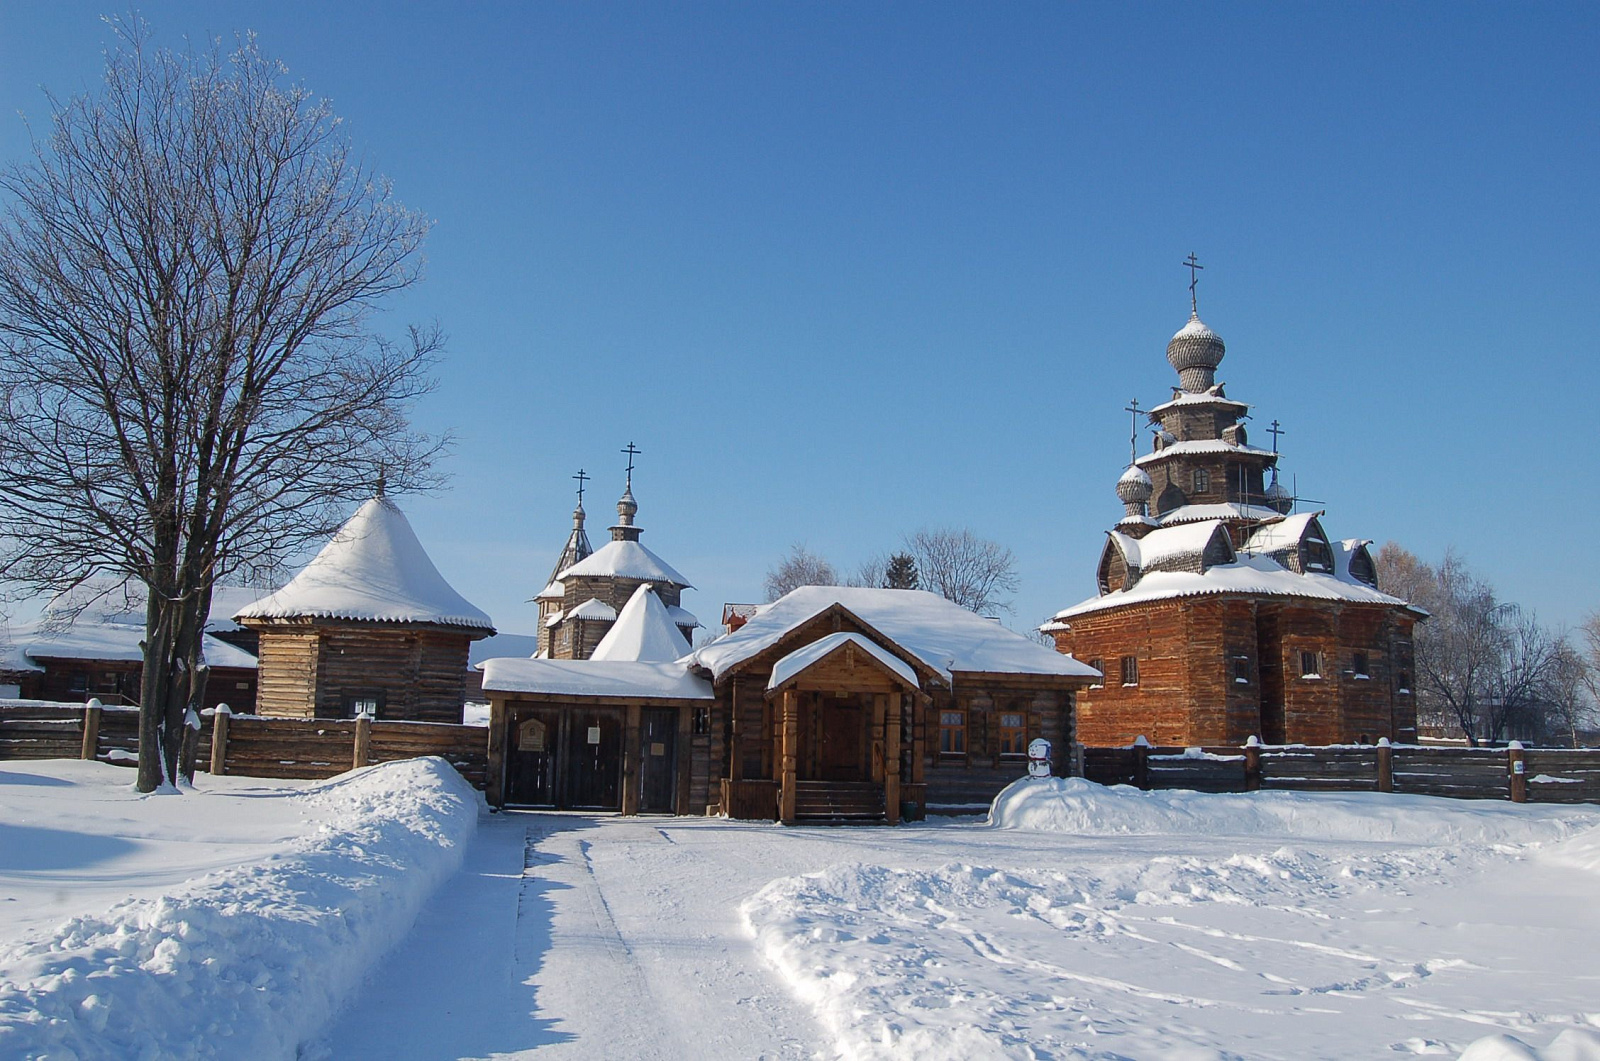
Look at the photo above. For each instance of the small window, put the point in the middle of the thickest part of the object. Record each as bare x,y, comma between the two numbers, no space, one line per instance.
1130,670
1310,664
1241,670
952,733
1405,682
1202,480
78,684
702,721
1358,664
1013,733
366,703
1099,665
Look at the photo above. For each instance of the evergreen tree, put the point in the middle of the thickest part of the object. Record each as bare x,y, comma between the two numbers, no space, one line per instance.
901,572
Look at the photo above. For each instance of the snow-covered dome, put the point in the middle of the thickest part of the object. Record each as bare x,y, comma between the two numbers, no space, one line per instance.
1279,498
1196,351
373,569
1135,487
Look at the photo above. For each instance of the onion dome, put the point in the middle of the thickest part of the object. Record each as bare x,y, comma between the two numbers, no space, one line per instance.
625,529
1196,351
1135,487
1279,498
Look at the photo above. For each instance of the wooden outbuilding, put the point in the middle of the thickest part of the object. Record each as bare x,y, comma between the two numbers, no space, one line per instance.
831,704
368,627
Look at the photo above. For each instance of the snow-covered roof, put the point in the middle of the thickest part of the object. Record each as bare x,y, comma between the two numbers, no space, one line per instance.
1167,543
1200,447
1225,510
587,677
682,616
554,591
593,608
806,655
943,636
1281,534
1210,397
643,631
374,569
1249,575
107,641
555,619
524,645
625,559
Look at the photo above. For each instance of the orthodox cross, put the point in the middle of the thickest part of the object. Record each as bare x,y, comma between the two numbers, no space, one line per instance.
632,451
1133,433
1275,431
582,478
1194,281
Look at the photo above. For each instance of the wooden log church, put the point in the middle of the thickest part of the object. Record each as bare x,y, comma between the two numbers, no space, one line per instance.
1222,614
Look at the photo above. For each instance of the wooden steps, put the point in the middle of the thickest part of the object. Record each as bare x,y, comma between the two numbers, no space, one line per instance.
839,803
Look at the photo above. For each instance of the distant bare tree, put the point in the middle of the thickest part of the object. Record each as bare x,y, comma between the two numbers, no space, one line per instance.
1571,693
974,572
189,383
800,567
869,573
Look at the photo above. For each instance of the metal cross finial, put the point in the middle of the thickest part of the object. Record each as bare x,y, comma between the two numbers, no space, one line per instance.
383,478
582,478
1194,281
1133,434
632,451
1275,431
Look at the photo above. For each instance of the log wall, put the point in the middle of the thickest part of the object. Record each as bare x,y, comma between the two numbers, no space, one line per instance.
417,672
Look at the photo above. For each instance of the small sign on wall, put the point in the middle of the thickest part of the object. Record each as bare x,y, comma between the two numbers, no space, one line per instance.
657,748
594,734
530,736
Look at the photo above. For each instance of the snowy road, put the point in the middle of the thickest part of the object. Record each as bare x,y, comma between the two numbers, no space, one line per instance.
596,937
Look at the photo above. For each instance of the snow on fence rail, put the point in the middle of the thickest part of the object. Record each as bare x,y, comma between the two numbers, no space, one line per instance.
241,744
1537,775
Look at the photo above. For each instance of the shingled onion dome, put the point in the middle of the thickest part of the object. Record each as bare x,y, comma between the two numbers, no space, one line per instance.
1134,490
1279,498
1196,351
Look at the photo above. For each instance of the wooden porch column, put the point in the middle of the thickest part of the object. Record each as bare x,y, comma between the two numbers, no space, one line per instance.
791,753
632,752
891,759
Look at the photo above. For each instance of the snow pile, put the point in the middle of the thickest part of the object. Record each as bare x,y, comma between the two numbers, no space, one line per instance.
1574,1044
250,960
1073,805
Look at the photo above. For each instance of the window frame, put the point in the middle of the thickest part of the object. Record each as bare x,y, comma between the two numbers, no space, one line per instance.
1241,671
1200,479
1099,665
955,722
1130,667
1315,664
1361,666
1017,733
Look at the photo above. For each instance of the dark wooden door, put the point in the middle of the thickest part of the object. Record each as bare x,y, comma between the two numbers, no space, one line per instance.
594,760
658,769
531,764
842,740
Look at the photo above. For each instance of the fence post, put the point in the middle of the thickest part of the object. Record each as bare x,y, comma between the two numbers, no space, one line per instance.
1252,764
90,749
363,741
219,739
1517,767
1141,762
1385,765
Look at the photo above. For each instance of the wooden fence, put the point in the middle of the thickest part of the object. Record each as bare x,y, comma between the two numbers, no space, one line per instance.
1538,775
242,744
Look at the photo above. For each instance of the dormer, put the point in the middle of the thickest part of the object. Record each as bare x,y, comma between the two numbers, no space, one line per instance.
1298,543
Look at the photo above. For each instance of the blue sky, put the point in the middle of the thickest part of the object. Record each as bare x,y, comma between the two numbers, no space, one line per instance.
843,271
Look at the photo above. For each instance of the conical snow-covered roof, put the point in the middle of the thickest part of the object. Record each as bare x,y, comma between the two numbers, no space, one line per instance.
625,559
644,630
373,569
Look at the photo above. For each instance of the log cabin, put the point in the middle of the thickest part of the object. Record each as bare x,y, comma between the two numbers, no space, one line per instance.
1223,614
830,704
368,627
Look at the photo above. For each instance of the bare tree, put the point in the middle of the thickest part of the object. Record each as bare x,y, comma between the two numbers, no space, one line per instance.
958,565
869,573
1571,693
189,384
800,567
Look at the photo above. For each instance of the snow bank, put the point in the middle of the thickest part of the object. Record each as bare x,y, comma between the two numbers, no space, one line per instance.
1574,1044
1073,805
250,960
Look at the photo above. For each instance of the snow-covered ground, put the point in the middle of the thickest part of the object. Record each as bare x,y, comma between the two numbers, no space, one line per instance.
1080,922
229,921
